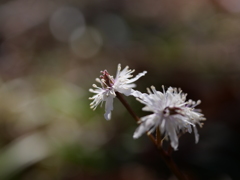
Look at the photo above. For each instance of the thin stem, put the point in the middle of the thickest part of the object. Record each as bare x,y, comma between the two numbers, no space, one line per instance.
120,97
165,156
171,164
124,102
159,138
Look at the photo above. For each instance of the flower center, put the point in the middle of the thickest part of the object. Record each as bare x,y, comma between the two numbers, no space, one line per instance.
107,78
168,111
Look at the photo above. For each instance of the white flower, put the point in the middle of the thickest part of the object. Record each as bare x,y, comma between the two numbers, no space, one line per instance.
172,114
109,85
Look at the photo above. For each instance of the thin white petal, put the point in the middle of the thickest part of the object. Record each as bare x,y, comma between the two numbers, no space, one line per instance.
172,135
139,131
136,93
126,92
162,126
118,70
137,77
148,124
108,108
196,134
189,128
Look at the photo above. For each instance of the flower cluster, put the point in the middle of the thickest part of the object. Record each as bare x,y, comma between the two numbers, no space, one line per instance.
171,113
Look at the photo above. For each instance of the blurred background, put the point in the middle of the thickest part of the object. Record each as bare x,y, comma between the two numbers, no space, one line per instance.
52,51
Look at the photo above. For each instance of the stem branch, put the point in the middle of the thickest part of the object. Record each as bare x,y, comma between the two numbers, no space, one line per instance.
124,102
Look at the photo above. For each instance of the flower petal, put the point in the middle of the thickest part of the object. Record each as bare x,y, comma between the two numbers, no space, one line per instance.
124,91
137,77
196,134
137,94
170,129
148,123
108,107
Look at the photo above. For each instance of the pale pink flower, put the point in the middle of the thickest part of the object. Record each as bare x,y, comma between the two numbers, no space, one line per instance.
122,83
172,114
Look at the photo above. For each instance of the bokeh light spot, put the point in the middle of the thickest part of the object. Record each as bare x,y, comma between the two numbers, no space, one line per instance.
64,21
85,44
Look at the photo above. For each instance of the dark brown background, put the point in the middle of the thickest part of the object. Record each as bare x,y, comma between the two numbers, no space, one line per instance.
50,54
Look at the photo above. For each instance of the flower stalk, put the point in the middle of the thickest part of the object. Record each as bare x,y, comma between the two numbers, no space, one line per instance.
157,141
